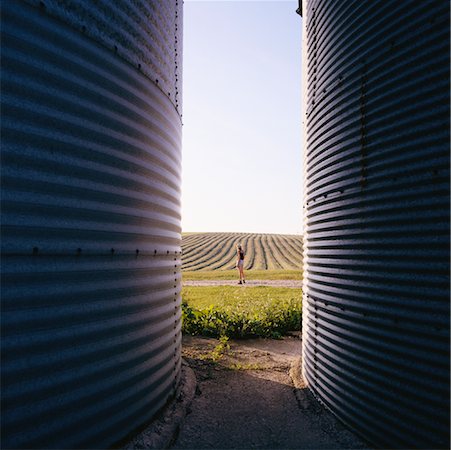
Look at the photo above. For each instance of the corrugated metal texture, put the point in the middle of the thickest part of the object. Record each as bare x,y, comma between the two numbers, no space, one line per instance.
376,300
91,241
146,33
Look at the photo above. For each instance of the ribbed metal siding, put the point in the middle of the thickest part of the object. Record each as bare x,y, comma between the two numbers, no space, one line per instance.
376,300
91,245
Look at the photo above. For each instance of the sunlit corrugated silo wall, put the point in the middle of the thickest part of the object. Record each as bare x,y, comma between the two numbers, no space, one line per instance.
376,301
90,191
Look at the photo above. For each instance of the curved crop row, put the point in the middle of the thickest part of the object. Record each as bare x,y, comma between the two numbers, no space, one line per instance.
191,252
228,260
217,251
289,253
279,256
192,239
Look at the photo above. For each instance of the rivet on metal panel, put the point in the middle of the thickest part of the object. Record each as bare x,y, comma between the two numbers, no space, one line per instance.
156,81
137,252
112,251
139,66
42,4
35,250
115,48
83,28
78,251
155,252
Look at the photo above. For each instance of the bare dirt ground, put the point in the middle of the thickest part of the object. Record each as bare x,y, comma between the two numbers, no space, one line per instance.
252,396
274,283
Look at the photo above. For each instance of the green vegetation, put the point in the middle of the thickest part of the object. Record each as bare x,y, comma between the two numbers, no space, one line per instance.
217,251
220,349
240,312
232,311
246,366
250,275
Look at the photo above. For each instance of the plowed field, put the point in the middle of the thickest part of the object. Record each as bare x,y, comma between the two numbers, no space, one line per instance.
217,251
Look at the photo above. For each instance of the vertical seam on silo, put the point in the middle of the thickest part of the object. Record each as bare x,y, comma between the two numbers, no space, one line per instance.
363,128
175,324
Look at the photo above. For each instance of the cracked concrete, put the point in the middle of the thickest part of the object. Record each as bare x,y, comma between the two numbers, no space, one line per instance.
247,399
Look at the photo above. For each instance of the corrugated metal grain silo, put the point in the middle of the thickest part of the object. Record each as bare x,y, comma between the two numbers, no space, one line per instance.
377,196
90,192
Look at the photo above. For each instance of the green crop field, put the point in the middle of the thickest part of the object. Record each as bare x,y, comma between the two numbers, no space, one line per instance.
239,312
217,251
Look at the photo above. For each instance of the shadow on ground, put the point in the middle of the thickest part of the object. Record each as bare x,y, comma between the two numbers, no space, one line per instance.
245,398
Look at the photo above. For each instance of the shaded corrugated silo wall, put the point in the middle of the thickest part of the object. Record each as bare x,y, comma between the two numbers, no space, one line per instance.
376,291
90,192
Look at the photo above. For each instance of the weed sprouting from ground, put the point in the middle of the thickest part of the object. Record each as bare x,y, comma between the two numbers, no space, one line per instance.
219,351
235,312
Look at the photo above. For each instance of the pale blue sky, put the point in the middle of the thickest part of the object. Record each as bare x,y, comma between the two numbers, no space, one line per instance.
242,167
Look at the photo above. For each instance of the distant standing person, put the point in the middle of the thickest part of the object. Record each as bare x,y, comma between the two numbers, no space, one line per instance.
240,263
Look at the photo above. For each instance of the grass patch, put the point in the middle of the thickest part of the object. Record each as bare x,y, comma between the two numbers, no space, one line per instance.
246,366
195,275
240,312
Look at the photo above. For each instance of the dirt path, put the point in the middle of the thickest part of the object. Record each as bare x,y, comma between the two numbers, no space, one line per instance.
247,399
274,283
